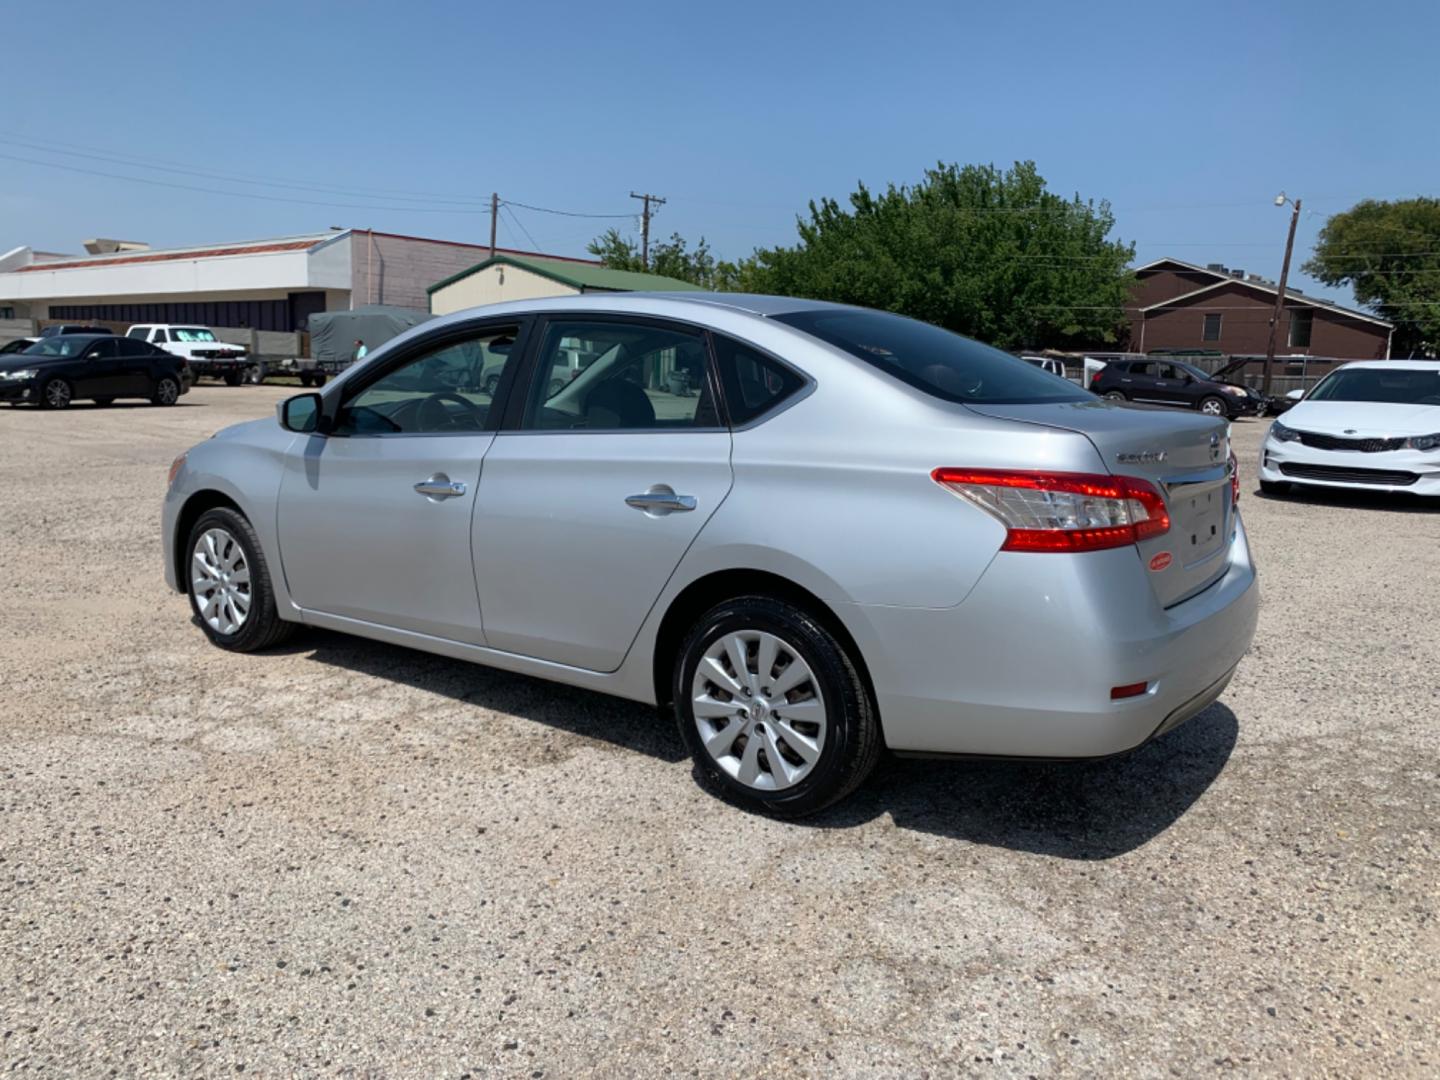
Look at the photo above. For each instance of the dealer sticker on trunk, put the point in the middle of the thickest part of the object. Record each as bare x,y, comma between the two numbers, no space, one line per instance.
1161,561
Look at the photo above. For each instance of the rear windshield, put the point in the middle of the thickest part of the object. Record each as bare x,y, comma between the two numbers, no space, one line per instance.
936,361
1394,386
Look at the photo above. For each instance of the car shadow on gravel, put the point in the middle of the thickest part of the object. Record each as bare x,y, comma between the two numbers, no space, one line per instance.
1400,502
1070,810
625,724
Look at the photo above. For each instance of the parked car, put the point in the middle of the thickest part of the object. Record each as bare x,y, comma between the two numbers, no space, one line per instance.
1171,382
72,328
1373,424
55,371
206,353
18,345
858,531
1047,363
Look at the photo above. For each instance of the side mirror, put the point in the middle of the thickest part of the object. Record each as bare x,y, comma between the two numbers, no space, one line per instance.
300,413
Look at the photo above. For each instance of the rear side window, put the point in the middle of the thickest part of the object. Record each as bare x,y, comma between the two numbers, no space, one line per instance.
159,336
754,383
940,363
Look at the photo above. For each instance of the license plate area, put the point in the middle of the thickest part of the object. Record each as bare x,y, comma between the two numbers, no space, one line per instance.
1197,520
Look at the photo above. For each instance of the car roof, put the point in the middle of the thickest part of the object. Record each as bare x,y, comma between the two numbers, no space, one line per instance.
1407,365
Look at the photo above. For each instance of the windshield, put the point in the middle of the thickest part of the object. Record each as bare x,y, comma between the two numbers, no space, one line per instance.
936,361
66,345
1393,386
190,333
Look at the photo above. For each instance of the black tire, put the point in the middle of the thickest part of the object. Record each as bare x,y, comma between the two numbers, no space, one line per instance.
305,378
55,394
255,376
233,378
167,391
103,401
1212,405
852,741
262,627
1114,395
319,379
1275,487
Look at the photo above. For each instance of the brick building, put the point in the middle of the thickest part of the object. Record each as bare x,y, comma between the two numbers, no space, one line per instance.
1178,305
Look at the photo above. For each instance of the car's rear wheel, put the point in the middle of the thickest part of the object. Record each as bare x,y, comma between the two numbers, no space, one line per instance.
1214,406
773,708
55,394
1115,395
167,391
229,584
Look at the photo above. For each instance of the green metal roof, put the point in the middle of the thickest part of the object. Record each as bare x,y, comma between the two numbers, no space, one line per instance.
579,275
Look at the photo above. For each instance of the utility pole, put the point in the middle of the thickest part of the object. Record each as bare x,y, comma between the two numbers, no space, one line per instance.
494,219
645,225
1280,200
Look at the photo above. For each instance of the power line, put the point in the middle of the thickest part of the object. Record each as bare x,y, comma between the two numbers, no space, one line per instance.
562,213
521,226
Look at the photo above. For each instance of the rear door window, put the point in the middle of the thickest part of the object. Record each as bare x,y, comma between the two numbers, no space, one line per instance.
938,362
754,383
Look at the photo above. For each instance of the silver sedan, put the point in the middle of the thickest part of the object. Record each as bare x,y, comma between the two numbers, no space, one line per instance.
814,531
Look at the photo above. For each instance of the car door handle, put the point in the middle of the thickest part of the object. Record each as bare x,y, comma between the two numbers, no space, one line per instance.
440,486
660,500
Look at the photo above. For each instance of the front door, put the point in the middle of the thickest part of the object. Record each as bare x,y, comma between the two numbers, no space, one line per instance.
587,507
374,515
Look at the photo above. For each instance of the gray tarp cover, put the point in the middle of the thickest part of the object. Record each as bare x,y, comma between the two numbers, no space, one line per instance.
333,333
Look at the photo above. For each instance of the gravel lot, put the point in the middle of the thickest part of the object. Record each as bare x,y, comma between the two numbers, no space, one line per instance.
350,859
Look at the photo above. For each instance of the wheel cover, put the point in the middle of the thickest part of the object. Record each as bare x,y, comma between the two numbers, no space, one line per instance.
759,710
57,393
1213,408
1114,395
220,581
167,391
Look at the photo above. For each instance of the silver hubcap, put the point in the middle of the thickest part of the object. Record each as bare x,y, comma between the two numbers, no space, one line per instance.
759,710
57,394
1114,395
167,391
1211,407
220,581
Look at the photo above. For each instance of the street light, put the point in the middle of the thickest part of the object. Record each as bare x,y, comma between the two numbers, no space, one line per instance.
1280,200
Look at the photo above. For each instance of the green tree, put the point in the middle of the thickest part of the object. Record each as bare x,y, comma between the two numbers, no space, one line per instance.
669,258
1389,253
981,251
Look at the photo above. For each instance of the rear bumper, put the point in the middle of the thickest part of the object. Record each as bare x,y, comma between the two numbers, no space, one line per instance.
1414,471
1024,666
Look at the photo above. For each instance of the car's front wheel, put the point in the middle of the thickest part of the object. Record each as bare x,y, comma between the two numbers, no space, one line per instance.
229,584
1214,406
55,394
773,707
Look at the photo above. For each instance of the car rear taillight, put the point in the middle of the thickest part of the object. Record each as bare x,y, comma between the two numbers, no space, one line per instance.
1062,511
1234,480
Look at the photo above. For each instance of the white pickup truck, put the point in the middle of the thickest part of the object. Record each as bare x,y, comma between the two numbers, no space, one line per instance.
207,354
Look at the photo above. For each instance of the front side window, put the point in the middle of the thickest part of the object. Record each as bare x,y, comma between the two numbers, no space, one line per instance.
445,391
936,361
611,375
1301,323
1211,330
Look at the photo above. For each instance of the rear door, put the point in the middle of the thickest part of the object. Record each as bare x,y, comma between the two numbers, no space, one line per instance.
597,487
99,375
135,374
374,516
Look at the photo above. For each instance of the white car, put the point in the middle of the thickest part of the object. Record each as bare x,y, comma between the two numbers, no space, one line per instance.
1374,424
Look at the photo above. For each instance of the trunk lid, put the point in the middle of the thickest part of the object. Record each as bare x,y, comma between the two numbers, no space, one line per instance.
1185,455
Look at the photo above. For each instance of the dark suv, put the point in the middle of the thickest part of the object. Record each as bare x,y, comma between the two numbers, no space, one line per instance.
1158,381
